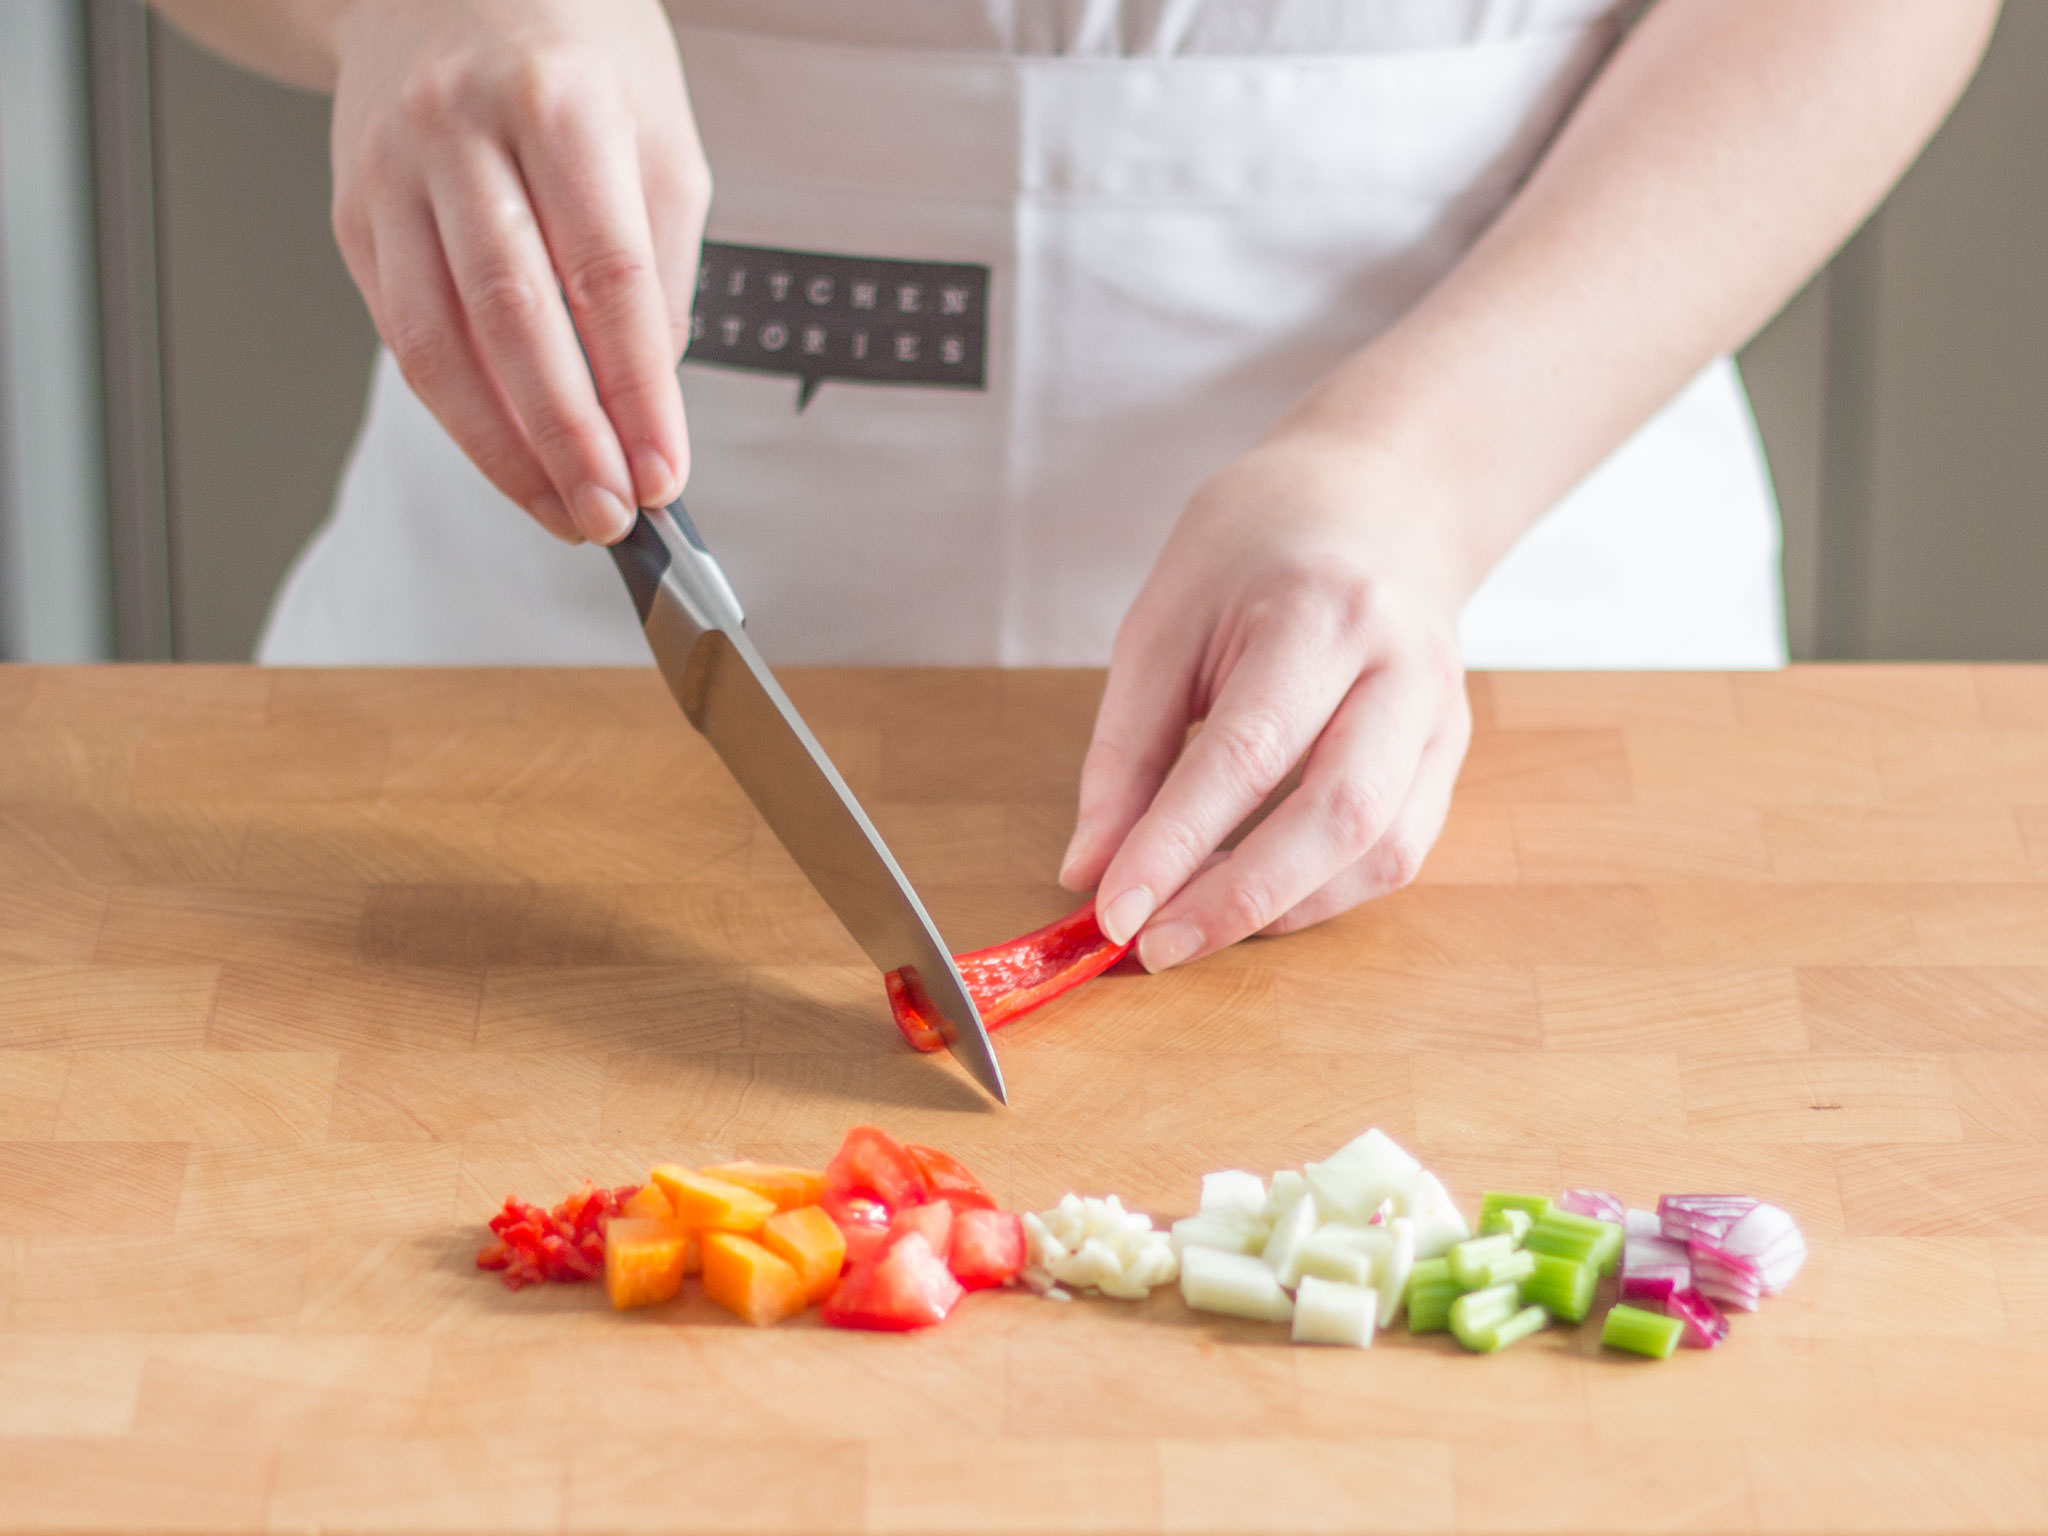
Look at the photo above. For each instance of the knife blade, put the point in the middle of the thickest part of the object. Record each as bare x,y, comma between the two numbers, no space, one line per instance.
696,629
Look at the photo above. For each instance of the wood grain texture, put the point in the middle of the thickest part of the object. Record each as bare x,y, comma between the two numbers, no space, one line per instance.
302,972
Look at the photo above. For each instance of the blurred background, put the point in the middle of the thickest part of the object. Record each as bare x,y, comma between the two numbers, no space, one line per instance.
183,361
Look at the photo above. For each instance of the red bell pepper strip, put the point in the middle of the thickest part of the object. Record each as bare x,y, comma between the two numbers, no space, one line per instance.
1010,979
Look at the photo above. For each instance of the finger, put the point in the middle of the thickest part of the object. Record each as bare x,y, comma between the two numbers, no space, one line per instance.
1140,728
416,309
1397,858
1352,789
521,327
582,170
678,196
1276,698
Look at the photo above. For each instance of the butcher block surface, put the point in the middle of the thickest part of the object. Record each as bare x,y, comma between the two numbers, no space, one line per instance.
301,973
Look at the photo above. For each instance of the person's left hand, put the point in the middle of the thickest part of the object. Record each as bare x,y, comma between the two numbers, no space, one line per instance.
1305,611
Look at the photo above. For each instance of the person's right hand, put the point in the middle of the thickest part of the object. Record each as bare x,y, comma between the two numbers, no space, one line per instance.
492,158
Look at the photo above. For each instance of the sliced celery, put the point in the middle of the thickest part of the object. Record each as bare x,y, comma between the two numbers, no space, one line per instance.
1431,1272
1581,1239
1495,1201
1429,1305
1509,1220
1500,1335
1561,1287
1511,1268
1572,1221
1641,1333
1476,1311
1471,1259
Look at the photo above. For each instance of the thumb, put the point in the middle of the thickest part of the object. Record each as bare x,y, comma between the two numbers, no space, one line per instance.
1139,730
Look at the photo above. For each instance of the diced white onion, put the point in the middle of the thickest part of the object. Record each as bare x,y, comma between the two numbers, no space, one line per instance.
1233,1192
1235,1284
1233,1234
1394,1272
1332,1312
1283,1248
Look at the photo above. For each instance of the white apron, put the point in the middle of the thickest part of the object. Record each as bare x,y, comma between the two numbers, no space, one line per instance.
1172,246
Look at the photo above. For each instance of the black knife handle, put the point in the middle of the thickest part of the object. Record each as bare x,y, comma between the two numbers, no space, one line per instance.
643,559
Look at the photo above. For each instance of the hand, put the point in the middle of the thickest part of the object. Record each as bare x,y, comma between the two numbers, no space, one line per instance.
1305,611
491,160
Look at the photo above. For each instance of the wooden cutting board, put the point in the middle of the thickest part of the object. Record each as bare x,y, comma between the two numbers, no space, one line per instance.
301,973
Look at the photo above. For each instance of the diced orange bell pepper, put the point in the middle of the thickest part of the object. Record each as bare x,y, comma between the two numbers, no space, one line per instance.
749,1281
649,1203
811,1243
644,1260
790,1188
712,1204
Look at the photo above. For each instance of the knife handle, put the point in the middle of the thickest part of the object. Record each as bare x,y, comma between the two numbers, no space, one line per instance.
664,549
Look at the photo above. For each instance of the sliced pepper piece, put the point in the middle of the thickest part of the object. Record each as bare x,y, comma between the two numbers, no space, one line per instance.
749,1281
645,1260
790,1188
811,1243
649,1203
707,1203
535,1245
1006,980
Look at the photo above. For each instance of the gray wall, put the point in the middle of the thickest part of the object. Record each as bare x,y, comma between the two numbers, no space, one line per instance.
53,510
1935,499
1902,396
267,347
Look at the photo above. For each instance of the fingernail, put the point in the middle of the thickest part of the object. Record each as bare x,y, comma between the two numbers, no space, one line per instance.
549,512
603,518
1073,856
1126,914
654,479
1168,945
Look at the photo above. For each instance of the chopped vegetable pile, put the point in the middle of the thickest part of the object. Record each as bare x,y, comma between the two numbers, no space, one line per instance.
1339,1248
1096,1245
888,1236
1327,1249
567,1243
891,1236
1010,979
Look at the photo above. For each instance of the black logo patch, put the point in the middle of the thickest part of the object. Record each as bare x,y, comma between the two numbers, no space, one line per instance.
817,317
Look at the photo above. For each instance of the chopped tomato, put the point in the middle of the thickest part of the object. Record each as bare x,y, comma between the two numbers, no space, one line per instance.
907,1287
871,1164
948,1178
863,1223
933,1222
988,1247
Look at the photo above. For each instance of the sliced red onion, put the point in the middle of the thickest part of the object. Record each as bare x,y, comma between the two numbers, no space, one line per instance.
1595,1203
1655,1287
1728,1296
1702,1217
1777,1276
1653,1254
1704,1324
1771,1240
1636,1223
1707,1259
1652,1268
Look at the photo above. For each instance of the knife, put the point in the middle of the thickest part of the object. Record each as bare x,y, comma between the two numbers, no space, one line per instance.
695,627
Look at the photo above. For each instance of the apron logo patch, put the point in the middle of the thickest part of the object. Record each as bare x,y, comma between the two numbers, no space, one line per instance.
860,318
